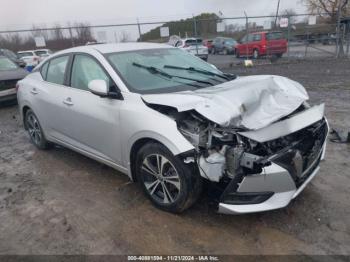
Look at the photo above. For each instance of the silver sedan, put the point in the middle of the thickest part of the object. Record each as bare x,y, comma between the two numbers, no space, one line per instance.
171,121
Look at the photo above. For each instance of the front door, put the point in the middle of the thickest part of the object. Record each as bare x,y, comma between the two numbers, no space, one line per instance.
92,122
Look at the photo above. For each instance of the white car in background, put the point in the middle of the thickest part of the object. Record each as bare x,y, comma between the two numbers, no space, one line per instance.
29,57
43,53
193,46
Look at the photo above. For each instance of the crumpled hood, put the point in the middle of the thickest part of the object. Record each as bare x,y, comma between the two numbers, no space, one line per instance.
252,102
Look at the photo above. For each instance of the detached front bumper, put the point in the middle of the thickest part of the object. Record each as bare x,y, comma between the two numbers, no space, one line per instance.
277,185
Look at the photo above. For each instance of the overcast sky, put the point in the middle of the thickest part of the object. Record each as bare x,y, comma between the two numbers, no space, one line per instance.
17,14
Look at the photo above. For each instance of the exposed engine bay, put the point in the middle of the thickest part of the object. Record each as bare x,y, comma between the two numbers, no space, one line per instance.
223,153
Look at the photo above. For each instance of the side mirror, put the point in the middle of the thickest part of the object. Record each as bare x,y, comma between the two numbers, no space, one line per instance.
98,87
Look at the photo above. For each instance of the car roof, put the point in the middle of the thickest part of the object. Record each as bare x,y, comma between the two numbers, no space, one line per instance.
191,38
266,32
25,51
115,47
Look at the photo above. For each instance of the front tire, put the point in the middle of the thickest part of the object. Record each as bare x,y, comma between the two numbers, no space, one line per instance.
237,54
35,131
168,182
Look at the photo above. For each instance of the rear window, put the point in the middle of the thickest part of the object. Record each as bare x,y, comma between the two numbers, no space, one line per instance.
257,37
194,41
274,36
40,53
20,55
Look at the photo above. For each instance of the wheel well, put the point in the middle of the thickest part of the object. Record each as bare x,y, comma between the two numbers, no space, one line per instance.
133,153
24,111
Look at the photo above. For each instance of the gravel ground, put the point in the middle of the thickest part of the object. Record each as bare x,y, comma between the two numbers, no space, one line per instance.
60,202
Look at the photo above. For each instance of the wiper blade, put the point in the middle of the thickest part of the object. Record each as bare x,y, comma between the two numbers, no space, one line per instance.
155,70
202,71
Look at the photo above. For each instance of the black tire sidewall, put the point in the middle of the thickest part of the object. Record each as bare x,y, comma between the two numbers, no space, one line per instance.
181,203
43,142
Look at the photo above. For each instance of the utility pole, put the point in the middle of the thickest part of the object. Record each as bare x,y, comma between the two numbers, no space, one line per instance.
138,25
340,48
195,32
247,33
278,8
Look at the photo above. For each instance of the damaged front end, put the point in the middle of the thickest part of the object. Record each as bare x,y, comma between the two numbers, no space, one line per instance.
256,170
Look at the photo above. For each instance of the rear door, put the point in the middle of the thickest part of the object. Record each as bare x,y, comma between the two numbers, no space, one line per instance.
276,43
48,96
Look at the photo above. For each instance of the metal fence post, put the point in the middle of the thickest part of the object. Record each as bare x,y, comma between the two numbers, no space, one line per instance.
247,32
195,32
288,36
71,36
139,27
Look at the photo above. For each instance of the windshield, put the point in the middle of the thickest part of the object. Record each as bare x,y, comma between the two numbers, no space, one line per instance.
194,41
7,64
230,41
164,70
20,55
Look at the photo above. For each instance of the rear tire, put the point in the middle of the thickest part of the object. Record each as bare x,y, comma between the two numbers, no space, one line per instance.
237,54
35,131
167,181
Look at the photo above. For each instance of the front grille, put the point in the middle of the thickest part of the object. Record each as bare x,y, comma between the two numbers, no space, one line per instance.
7,84
302,159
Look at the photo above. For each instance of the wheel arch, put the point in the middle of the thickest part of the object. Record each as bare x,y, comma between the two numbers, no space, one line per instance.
24,111
139,142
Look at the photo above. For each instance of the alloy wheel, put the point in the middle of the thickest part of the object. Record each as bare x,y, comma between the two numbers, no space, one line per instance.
34,129
161,179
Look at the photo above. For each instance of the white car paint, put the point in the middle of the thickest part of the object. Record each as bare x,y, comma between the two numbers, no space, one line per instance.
253,102
29,57
106,129
197,50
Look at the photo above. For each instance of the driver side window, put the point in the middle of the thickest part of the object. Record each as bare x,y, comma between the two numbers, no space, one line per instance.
86,69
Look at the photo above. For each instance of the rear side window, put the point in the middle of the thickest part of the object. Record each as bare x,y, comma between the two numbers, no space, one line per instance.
257,38
43,70
250,38
274,36
57,69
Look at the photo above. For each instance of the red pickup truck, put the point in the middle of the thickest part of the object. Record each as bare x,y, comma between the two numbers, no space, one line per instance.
262,44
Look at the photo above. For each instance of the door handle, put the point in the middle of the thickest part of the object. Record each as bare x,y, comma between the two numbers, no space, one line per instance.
34,91
68,101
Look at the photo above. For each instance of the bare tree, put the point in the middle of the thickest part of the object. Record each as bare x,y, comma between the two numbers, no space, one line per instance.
124,37
83,33
38,31
328,8
57,33
291,14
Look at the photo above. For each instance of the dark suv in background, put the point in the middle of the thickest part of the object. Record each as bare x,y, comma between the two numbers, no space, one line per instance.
224,45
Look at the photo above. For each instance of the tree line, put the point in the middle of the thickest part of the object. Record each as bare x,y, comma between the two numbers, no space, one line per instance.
56,38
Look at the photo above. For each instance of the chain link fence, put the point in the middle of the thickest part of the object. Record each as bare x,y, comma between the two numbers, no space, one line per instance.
306,35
